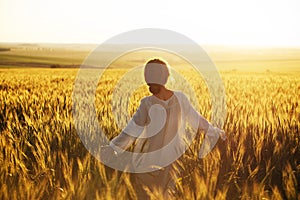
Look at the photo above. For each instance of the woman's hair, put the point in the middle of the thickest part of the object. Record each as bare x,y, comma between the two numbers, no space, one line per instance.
157,61
156,71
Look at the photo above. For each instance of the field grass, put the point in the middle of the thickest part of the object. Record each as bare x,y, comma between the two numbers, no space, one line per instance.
40,56
43,157
226,58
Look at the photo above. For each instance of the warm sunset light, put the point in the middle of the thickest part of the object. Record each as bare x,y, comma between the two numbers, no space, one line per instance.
161,99
233,22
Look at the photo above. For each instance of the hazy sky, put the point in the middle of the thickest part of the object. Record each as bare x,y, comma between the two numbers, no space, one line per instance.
227,22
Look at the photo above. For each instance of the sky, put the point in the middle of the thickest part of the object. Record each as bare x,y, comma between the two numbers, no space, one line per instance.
215,22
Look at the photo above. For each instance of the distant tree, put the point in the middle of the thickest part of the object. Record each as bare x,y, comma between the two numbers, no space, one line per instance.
55,66
4,49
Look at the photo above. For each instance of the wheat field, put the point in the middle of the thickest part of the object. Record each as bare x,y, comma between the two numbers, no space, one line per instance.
42,156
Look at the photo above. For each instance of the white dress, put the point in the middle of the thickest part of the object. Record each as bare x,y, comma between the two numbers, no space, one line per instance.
156,133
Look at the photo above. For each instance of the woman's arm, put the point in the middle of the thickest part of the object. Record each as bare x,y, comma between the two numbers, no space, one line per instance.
198,122
133,129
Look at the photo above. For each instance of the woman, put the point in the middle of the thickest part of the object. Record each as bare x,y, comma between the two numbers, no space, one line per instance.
158,129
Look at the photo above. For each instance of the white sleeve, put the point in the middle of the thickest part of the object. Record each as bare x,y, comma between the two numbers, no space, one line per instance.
121,142
136,124
212,131
193,117
198,122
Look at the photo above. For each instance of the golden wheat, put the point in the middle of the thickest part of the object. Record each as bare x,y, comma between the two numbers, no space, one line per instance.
42,156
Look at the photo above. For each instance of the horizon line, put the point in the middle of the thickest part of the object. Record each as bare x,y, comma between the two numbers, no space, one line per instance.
203,44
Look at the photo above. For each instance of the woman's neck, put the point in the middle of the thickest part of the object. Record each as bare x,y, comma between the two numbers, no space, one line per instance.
164,94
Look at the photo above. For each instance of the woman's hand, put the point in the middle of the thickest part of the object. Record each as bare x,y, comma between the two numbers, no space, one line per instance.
107,153
213,131
222,134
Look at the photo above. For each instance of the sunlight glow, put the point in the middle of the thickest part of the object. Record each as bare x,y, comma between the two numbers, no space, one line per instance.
233,22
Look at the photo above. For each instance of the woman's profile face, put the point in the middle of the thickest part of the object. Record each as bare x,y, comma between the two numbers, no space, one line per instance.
154,88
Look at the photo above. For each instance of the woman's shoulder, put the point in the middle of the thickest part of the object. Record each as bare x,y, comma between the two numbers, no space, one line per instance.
180,95
146,100
149,100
